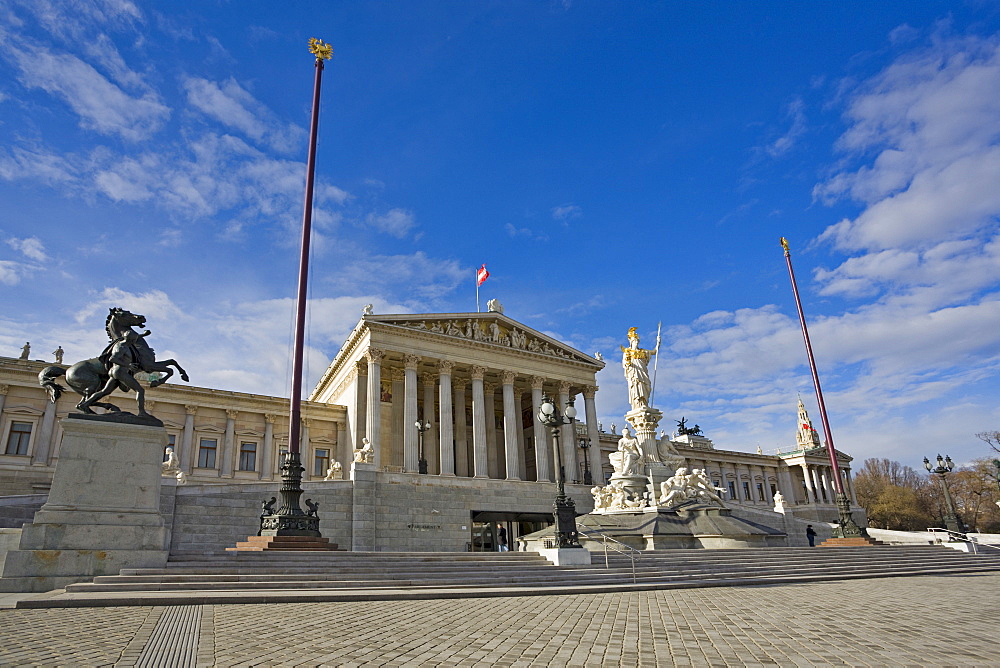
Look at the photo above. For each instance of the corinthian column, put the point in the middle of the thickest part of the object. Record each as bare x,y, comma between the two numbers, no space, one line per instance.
229,443
429,415
543,467
594,452
479,459
492,449
410,454
568,438
510,425
461,428
447,424
373,416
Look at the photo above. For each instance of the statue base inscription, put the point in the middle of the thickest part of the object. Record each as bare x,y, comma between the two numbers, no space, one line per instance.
103,511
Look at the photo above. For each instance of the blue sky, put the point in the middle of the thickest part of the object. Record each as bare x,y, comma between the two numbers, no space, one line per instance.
614,164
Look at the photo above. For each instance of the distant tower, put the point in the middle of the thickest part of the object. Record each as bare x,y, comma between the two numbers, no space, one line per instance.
805,436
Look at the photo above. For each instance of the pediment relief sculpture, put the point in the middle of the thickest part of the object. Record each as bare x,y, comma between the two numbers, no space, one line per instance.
492,331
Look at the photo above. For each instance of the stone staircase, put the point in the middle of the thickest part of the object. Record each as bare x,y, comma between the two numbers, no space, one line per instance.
256,577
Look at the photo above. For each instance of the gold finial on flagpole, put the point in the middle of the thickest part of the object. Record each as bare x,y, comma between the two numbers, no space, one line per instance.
320,49
784,244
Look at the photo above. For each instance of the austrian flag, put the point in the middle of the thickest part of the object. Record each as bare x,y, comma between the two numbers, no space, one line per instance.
481,275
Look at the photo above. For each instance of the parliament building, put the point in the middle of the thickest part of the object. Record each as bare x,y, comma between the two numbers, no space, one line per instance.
478,379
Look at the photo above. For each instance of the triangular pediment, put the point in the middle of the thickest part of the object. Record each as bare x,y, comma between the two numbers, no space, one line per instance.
489,329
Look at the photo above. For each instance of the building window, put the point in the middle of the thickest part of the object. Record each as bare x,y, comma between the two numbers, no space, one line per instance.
18,438
760,491
732,491
774,490
321,461
746,490
206,453
248,456
282,455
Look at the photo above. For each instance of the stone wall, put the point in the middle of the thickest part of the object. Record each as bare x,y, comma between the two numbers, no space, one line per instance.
390,512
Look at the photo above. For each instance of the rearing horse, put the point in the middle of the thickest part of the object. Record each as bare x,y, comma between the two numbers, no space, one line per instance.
98,377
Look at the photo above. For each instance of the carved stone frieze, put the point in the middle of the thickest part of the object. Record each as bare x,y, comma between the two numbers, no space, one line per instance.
493,332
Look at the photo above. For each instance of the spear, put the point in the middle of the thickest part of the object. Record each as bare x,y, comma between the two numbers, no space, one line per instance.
656,359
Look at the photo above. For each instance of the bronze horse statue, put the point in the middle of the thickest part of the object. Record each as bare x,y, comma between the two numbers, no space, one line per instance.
126,354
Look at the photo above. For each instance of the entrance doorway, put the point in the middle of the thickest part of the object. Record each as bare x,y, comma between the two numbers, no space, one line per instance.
486,526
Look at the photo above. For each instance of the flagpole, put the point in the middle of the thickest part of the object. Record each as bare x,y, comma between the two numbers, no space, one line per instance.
848,527
289,519
478,310
656,360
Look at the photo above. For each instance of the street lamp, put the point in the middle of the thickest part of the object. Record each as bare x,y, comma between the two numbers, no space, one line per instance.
944,467
421,428
585,446
564,509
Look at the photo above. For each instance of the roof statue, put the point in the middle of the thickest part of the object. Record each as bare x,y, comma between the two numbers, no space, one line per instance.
126,354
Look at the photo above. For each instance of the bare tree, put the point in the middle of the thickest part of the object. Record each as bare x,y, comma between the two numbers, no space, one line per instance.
991,438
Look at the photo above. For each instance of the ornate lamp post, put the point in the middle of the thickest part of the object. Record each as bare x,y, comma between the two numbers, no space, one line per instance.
564,509
422,427
585,446
944,467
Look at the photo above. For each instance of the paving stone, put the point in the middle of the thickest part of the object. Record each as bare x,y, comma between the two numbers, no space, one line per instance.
884,622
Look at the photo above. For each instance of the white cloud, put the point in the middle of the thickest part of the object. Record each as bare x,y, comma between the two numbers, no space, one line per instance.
30,247
397,222
795,114
101,105
932,124
566,212
230,104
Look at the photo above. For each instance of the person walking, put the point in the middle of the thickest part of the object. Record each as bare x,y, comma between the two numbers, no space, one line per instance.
811,535
502,539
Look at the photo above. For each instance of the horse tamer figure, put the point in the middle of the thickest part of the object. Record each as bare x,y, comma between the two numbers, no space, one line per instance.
115,368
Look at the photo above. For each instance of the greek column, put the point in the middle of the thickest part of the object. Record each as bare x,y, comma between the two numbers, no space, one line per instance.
394,449
304,423
187,438
40,455
431,437
461,428
4,389
594,452
567,435
492,447
479,458
816,487
807,478
542,465
228,443
410,446
827,482
267,456
510,425
360,404
849,486
373,414
447,432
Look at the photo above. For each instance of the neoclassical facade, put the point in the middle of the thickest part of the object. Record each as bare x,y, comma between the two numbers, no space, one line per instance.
477,378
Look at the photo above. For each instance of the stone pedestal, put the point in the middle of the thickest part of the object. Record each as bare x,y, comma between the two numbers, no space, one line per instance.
645,421
103,511
566,556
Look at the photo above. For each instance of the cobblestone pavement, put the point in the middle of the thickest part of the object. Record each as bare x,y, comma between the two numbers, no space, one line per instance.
923,621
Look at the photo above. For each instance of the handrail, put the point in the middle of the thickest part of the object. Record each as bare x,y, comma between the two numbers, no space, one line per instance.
617,546
965,538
